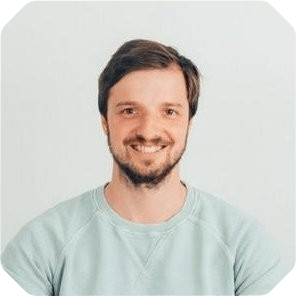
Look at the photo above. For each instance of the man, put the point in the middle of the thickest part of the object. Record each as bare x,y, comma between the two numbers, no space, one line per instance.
146,231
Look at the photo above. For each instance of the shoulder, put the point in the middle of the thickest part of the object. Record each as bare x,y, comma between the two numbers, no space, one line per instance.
228,223
46,235
257,262
66,216
219,213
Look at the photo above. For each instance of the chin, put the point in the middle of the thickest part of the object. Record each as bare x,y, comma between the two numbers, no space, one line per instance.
149,178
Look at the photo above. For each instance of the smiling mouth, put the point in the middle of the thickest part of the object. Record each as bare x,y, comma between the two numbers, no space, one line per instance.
147,149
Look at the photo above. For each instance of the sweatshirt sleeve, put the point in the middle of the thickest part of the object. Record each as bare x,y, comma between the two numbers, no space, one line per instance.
258,266
27,259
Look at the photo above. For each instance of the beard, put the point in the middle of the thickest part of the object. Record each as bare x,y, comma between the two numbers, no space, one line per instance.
149,179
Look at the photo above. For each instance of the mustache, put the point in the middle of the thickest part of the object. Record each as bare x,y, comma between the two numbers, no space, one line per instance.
138,139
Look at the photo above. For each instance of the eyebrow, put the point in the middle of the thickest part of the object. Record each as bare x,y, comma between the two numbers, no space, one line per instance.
167,104
126,103
173,105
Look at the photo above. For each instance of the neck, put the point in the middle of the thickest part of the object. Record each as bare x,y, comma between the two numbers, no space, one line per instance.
146,205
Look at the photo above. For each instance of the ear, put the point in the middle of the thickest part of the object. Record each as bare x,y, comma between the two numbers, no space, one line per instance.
105,126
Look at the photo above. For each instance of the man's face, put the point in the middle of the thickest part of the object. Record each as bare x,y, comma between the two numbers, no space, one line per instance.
147,124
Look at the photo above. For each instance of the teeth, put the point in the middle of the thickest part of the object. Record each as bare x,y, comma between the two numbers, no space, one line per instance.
146,149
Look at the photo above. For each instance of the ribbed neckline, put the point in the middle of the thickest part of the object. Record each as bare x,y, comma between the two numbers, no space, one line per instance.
114,218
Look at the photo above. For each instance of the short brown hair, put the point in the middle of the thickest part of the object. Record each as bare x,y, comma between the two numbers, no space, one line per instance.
140,54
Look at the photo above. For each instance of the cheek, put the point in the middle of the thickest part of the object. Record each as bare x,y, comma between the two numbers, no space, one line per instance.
180,138
118,132
181,130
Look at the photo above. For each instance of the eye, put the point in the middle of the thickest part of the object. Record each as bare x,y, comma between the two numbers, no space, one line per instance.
129,112
170,112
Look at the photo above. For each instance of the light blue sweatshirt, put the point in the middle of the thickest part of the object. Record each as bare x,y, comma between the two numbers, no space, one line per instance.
82,247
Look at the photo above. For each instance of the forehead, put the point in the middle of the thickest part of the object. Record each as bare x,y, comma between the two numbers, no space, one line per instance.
156,85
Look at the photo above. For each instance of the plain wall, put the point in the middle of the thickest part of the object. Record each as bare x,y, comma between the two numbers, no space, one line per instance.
241,147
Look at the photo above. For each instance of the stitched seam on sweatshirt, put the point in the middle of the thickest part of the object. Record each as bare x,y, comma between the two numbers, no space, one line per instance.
74,236
214,233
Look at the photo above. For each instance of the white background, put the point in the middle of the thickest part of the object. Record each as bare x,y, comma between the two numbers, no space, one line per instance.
242,145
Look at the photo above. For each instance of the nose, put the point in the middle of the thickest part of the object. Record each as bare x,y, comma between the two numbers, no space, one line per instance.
149,128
